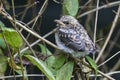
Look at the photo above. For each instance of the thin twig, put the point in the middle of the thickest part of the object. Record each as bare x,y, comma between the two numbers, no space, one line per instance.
116,66
28,44
33,33
110,73
96,19
109,59
113,43
109,35
82,7
105,75
25,40
26,9
36,42
28,75
9,51
14,19
41,75
116,3
95,28
14,24
39,14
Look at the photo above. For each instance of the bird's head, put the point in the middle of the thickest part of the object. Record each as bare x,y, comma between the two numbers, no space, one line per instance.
66,21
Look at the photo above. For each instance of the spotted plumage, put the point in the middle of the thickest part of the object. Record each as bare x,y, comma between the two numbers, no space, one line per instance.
72,38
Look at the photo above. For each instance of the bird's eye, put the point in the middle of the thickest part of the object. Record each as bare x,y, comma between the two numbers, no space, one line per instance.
66,22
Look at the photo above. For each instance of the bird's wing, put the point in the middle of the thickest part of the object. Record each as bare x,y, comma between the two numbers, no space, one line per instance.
89,45
71,39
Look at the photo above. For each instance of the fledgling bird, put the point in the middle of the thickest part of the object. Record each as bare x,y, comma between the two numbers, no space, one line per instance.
71,37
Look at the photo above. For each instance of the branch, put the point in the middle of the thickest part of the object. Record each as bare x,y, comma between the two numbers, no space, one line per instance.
36,42
4,13
109,59
109,35
105,75
99,8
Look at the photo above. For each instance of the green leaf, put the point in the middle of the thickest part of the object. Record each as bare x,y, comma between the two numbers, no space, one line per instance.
3,63
44,49
41,66
12,37
65,72
2,43
51,58
59,61
71,7
93,64
64,10
26,52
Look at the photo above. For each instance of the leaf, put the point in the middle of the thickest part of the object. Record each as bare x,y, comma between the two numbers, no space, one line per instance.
71,6
93,64
64,10
12,37
26,52
2,43
41,66
3,63
59,61
65,72
50,58
44,49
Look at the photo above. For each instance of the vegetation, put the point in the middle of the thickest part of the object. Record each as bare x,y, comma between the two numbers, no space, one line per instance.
21,45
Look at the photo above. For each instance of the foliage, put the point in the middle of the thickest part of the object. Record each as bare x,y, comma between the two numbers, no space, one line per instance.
47,67
70,7
93,64
65,72
3,63
15,53
41,66
12,37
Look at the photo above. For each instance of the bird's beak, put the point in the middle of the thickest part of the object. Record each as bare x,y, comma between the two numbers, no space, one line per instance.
59,22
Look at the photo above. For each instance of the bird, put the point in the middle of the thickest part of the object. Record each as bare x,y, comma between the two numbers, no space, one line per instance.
72,38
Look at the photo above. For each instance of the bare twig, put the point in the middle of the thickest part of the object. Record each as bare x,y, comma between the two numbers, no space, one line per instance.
110,73
14,24
105,75
113,43
116,3
28,75
95,28
82,7
109,59
116,66
109,35
14,19
39,14
41,75
36,42
26,9
3,12
96,19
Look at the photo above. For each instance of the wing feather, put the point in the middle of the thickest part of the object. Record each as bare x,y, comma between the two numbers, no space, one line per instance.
71,39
